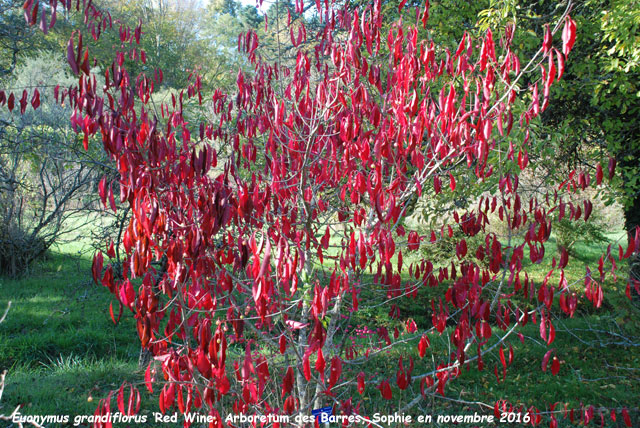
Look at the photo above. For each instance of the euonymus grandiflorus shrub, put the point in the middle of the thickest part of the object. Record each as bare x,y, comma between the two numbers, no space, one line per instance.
261,233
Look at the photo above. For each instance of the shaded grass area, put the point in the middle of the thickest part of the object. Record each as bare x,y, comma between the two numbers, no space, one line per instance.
61,349
600,369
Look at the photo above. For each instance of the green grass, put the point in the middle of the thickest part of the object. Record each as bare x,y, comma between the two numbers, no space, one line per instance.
597,368
589,374
58,342
600,373
63,353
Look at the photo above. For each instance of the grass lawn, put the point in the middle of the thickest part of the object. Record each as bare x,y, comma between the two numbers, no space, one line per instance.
61,349
63,352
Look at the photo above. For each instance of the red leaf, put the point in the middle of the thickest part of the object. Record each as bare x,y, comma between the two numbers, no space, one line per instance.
112,202
295,325
486,330
335,372
127,295
161,401
44,26
265,260
34,14
548,39
111,251
385,390
102,191
320,363
545,359
413,240
626,417
53,19
560,60
113,318
552,71
71,56
423,345
360,379
588,207
425,15
599,174
23,102
148,380
120,399
452,182
85,63
437,184
568,35
552,334
411,326
306,367
169,395
555,365
612,167
96,267
287,382
35,99
535,100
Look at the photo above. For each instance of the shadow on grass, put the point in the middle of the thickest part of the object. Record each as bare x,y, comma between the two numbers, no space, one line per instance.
67,386
58,342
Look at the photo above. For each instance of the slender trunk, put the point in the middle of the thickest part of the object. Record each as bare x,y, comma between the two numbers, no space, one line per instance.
301,382
329,347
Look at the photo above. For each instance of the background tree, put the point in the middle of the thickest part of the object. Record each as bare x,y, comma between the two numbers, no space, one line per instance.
30,64
582,128
15,38
222,22
44,175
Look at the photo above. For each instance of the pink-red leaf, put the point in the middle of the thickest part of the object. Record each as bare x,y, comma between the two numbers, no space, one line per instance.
545,359
71,58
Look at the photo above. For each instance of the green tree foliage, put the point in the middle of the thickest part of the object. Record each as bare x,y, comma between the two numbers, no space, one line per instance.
598,99
597,103
617,95
223,20
44,172
171,39
15,38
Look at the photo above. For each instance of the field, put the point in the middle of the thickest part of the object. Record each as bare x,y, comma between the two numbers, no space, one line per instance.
63,353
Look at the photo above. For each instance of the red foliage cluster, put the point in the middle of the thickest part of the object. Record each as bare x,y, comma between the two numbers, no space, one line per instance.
271,218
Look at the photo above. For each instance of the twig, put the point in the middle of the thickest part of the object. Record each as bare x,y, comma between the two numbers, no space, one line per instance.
6,311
